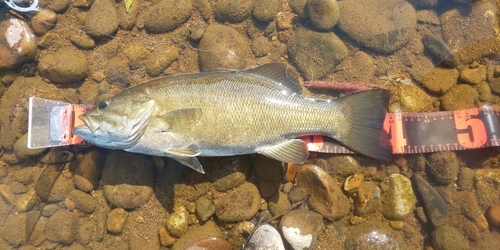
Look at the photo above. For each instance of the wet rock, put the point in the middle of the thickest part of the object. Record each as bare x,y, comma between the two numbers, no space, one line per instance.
278,203
468,205
53,186
83,41
428,16
167,15
269,173
27,201
363,72
21,148
177,223
102,19
383,26
57,156
117,72
299,7
373,236
222,47
301,228
367,198
326,196
209,229
487,187
210,243
204,208
83,201
61,227
265,237
122,186
14,229
43,21
297,193
160,60
493,215
353,182
265,11
260,46
128,19
440,80
49,210
398,200
17,188
465,177
203,6
316,53
479,18
229,182
67,65
461,96
58,6
448,237
85,231
323,14
435,208
474,76
242,203
444,167
165,238
116,220
24,175
233,11
136,53
429,4
88,171
17,43
440,50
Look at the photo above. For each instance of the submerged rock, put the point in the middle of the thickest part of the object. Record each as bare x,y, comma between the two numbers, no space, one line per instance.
398,200
448,237
17,43
383,26
65,65
222,47
323,14
233,11
301,228
435,208
240,204
102,19
265,237
167,15
326,196
374,236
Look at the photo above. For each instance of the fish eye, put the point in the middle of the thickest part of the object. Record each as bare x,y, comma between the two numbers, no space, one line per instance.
103,105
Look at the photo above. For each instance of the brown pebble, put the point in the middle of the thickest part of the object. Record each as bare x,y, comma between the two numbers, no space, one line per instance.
493,215
43,21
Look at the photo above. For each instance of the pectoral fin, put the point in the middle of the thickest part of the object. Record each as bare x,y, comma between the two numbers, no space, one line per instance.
191,162
189,151
180,118
292,151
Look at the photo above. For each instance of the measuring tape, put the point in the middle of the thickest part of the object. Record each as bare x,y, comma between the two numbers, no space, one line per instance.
412,133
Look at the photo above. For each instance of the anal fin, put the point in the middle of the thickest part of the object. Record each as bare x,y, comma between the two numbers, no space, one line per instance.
291,151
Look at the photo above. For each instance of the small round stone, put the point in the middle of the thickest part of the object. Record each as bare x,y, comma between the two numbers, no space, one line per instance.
323,14
43,21
242,203
448,237
177,223
493,215
233,11
116,220
66,65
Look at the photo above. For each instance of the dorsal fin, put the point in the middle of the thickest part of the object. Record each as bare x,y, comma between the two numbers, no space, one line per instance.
284,76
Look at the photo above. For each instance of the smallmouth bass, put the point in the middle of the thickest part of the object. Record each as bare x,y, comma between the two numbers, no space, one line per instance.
258,110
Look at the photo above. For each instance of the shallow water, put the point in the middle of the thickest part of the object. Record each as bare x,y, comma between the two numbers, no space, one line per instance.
91,198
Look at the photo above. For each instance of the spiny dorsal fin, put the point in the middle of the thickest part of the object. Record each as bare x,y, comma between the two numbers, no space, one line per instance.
284,76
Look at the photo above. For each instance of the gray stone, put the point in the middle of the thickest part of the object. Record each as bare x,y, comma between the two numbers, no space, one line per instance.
204,208
49,210
222,47
316,53
242,203
61,227
435,208
380,25
301,228
167,15
83,201
478,18
66,65
326,196
14,229
102,19
123,186
448,237
265,237
233,11
440,50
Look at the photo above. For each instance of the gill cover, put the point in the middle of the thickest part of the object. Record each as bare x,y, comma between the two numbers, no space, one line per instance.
118,122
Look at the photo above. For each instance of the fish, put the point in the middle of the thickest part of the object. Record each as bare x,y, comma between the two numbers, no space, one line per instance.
223,113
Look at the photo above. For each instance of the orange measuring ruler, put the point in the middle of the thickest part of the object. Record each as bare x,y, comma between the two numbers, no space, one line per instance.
411,133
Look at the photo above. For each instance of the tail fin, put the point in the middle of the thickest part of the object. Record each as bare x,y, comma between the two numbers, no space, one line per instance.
366,112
